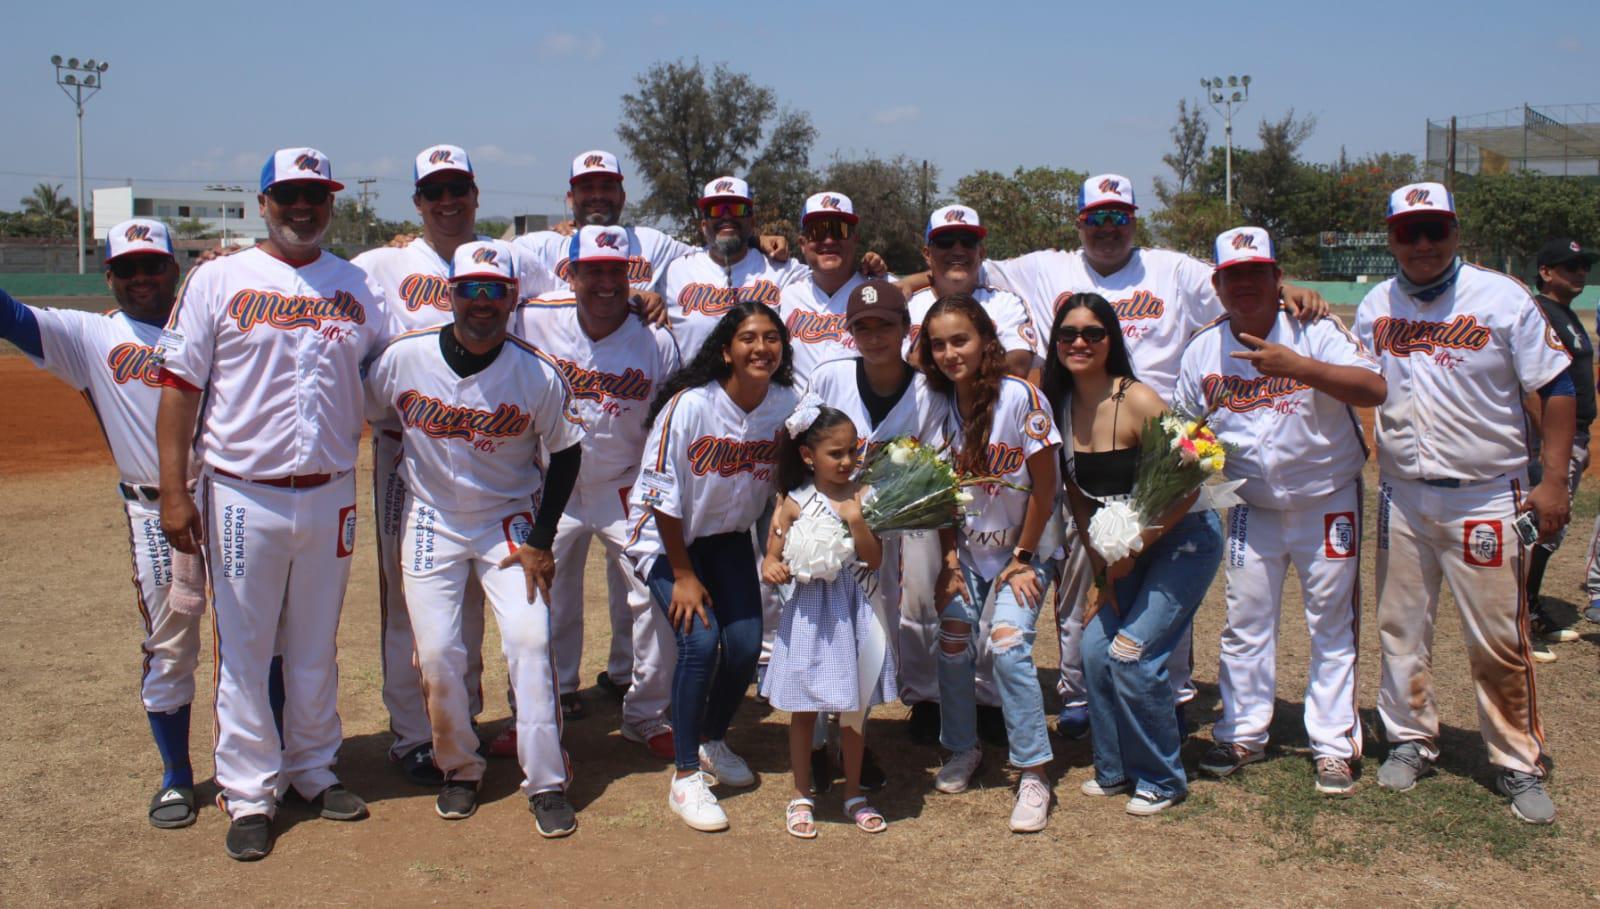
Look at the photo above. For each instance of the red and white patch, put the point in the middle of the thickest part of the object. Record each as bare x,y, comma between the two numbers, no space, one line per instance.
347,531
1339,535
1480,543
1037,425
517,527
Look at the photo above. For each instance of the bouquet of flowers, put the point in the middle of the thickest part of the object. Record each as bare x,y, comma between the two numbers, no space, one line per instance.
1177,455
914,487
817,547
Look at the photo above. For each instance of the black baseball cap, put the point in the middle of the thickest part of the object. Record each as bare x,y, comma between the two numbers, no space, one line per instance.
1562,250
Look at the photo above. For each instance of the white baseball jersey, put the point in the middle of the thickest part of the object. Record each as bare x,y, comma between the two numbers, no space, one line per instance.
613,380
817,332
1457,369
698,291
1161,298
1011,320
708,463
115,362
649,253
920,413
473,443
1290,442
279,351
415,281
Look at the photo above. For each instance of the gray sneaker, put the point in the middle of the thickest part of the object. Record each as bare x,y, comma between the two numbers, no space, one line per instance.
1403,767
1334,776
1529,800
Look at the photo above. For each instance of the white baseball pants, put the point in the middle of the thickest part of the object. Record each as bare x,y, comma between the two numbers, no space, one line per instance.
171,639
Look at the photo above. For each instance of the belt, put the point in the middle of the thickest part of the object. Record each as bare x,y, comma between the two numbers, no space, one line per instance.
136,493
303,481
1453,483
392,434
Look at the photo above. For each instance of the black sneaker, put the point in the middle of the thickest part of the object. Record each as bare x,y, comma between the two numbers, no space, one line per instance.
249,838
1541,651
337,803
605,683
419,768
572,707
1548,629
992,726
821,771
924,725
872,776
458,800
552,814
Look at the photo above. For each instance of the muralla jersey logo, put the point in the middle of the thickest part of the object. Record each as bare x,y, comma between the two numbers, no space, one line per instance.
1403,337
454,421
421,291
639,270
711,300
250,308
1004,459
1242,394
817,327
131,362
1142,305
730,457
597,385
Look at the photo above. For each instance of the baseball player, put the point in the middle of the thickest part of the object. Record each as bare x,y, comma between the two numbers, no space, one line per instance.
614,365
1460,346
1280,393
274,338
953,249
814,310
491,440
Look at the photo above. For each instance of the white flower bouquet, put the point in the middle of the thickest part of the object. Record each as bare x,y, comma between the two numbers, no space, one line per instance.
1177,455
817,547
914,487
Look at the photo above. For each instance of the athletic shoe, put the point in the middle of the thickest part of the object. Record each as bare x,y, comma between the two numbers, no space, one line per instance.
1403,767
1529,800
572,707
458,800
1092,787
872,776
249,838
656,737
992,726
956,774
1073,723
1226,758
504,744
1145,804
725,767
924,725
1334,776
690,798
605,683
419,768
552,814
821,771
1549,630
1032,810
173,807
337,803
1541,651
1593,612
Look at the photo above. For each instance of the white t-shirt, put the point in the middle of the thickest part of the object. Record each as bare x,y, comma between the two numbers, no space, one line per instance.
920,413
815,320
1012,323
698,292
649,253
1457,369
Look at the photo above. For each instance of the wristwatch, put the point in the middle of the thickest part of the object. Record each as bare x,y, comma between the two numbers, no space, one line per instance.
1023,556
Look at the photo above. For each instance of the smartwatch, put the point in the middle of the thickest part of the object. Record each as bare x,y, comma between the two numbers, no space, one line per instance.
1023,556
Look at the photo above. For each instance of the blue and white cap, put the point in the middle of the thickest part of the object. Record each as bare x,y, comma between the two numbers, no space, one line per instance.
1243,245
140,236
594,243
955,217
440,158
290,164
1421,199
830,205
483,260
595,161
725,188
1106,189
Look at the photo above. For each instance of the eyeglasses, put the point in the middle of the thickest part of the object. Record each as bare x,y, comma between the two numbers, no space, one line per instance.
1114,217
128,266
829,229
1407,231
292,192
949,239
459,188
1092,334
481,290
715,210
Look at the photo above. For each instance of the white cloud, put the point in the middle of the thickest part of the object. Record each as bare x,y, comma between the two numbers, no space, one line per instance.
566,44
494,154
905,113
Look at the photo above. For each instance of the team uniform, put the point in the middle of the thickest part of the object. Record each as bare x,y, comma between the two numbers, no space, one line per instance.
815,320
698,291
1300,453
649,253
1015,328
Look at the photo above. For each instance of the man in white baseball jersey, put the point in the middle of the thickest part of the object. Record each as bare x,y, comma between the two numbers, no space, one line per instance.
1460,346
614,365
1280,394
953,249
814,310
274,339
491,452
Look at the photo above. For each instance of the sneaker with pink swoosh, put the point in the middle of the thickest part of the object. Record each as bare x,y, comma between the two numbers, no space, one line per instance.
691,799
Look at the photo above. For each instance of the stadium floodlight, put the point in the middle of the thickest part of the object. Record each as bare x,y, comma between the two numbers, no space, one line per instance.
1222,102
93,81
1245,81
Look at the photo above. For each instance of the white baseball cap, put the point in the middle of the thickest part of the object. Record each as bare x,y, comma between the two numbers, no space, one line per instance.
438,159
291,164
835,205
483,260
1421,198
725,188
595,161
1243,245
955,217
1106,189
140,236
593,243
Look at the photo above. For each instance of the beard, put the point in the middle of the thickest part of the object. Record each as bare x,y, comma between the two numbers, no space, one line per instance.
729,246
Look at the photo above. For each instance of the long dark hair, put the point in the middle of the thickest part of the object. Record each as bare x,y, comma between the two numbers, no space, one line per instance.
974,455
792,471
1057,381
708,366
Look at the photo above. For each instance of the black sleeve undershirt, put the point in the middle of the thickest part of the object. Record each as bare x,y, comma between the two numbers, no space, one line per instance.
559,478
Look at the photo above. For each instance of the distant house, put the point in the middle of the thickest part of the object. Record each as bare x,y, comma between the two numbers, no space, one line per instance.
226,213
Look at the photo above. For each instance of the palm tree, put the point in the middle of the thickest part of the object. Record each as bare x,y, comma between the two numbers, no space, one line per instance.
49,209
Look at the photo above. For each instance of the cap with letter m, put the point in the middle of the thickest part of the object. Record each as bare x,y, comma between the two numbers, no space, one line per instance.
140,236
1244,245
1421,199
595,161
288,165
1106,189
829,205
436,159
483,260
594,243
955,217
725,188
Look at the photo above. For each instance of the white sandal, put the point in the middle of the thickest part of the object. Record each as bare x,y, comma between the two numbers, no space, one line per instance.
801,812
867,818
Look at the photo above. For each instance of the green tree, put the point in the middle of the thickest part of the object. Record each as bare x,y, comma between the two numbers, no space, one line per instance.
1505,218
50,213
887,194
193,229
1034,208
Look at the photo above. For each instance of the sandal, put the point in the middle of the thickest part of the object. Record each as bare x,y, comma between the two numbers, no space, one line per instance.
172,807
867,818
800,813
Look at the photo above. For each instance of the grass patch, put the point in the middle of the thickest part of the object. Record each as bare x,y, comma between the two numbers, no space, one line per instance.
437,874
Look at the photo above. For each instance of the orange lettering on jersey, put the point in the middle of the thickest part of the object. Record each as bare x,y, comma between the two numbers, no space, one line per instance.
1004,459
129,361
595,385
1403,337
639,270
419,291
250,308
453,421
729,457
712,300
817,327
1142,305
1242,395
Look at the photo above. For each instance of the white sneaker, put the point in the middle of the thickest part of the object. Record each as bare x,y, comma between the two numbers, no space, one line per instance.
1145,804
957,772
691,799
724,767
1092,787
1032,810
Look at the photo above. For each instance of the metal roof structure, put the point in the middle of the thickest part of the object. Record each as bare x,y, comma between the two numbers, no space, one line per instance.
1556,140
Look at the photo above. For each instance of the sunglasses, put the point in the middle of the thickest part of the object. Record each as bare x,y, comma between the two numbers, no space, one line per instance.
481,290
1092,334
829,229
290,193
715,210
1104,217
128,266
459,188
1409,230
949,239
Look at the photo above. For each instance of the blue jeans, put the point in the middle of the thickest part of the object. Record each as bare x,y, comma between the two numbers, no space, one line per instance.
1021,700
1125,650
716,662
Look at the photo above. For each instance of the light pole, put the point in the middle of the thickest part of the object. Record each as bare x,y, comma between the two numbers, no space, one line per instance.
93,78
217,187
1236,90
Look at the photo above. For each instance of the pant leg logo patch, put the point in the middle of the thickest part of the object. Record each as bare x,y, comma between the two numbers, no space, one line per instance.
1339,535
347,531
517,528
1480,542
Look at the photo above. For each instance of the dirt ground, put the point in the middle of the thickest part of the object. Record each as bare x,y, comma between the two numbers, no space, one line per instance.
83,768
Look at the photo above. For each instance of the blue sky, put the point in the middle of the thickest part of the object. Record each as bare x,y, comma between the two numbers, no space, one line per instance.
202,92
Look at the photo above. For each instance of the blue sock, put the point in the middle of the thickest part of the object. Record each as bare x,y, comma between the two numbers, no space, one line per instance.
275,694
171,731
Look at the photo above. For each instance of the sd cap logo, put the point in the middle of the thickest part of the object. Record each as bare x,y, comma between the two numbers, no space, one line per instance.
723,186
484,257
831,202
308,162
441,156
956,216
1339,535
1244,241
608,240
1418,197
137,232
1109,185
594,161
869,295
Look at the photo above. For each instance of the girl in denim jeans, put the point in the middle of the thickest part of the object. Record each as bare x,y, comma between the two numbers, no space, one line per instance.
1152,597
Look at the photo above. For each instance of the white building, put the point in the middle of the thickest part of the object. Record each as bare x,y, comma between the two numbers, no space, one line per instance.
226,213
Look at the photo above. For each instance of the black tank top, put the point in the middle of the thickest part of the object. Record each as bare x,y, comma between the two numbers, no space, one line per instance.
1102,474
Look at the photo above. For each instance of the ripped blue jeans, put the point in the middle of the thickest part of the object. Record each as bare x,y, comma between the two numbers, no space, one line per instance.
1125,649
